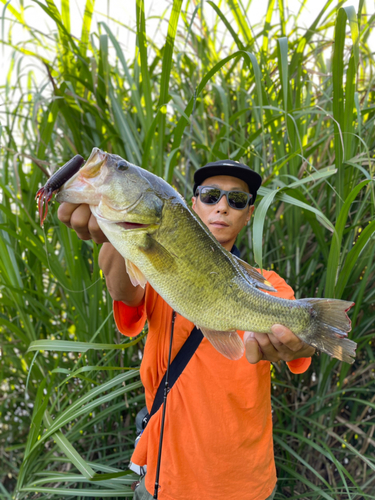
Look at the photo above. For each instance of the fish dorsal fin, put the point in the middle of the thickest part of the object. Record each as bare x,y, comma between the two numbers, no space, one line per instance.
229,343
135,275
254,277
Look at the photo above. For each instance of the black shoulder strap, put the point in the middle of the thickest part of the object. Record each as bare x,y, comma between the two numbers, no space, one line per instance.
177,366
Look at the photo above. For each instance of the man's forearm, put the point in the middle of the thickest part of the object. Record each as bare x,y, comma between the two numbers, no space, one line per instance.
118,282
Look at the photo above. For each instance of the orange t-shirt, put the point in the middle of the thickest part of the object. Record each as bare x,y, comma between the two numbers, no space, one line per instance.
218,429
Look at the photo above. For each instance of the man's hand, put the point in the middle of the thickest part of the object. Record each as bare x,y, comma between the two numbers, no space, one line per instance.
80,218
281,344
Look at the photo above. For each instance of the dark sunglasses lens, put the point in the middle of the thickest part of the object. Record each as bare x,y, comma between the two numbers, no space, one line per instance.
210,195
237,199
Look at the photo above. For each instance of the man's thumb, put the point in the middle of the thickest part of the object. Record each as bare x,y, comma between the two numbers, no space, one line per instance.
252,350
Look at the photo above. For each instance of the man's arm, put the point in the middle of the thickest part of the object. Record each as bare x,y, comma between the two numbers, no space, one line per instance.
117,279
80,218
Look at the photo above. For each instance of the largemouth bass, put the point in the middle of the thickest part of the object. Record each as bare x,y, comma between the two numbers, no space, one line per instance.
165,243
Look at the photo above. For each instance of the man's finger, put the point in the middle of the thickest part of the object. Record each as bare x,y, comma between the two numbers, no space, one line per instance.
275,342
287,337
64,212
306,352
80,220
252,351
96,233
270,353
291,343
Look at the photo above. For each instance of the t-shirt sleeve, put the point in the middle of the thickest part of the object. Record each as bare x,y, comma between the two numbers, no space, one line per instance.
284,291
300,365
129,320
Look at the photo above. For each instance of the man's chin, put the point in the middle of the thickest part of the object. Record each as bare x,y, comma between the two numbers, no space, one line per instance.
219,229
224,240
222,234
218,232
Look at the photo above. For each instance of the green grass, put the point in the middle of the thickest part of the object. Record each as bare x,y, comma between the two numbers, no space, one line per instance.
296,105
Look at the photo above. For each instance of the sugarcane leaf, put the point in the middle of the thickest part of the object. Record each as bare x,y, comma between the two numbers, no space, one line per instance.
366,236
86,26
83,492
241,21
69,450
69,346
333,266
227,25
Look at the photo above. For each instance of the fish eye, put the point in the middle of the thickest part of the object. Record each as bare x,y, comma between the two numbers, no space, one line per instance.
122,165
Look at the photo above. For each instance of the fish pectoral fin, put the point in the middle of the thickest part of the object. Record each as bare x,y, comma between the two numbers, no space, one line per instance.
135,275
159,257
254,277
228,343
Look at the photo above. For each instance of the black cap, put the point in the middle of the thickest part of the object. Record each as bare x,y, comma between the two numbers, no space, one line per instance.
232,168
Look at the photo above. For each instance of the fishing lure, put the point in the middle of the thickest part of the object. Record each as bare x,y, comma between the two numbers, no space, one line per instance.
55,182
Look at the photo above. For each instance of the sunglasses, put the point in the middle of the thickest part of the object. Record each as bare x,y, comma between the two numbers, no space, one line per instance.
236,199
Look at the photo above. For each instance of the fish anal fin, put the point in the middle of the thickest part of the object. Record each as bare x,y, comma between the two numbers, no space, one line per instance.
228,343
135,275
254,277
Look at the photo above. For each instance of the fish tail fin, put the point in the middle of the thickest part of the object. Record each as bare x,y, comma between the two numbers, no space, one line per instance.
330,327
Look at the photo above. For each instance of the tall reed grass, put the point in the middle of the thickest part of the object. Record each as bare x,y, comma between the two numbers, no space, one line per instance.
296,105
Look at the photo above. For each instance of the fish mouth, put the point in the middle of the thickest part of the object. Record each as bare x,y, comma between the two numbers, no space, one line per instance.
81,187
93,164
132,225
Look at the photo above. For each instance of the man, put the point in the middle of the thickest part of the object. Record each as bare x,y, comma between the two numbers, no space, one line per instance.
218,431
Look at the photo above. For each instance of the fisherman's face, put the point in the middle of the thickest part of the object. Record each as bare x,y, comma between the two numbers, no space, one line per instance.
223,221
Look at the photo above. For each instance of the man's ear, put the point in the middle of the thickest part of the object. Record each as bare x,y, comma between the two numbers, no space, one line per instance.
251,210
194,201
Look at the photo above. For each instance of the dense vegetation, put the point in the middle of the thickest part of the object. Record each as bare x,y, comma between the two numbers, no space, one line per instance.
297,106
